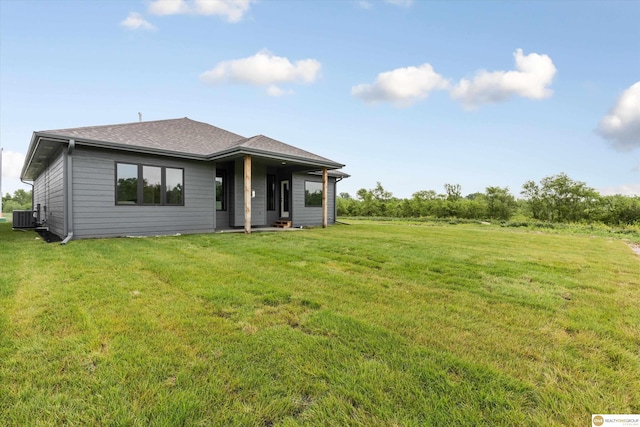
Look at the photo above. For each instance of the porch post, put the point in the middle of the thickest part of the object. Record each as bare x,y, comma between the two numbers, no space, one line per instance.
325,187
247,194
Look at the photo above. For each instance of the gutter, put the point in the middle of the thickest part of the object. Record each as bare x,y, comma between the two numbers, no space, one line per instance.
127,147
68,192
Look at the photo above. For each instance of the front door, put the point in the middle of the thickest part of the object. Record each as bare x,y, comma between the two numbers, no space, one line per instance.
284,198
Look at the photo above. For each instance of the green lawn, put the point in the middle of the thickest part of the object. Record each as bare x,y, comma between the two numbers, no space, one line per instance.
372,324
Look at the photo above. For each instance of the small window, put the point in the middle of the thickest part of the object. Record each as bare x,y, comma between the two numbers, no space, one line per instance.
127,184
149,185
221,190
271,192
312,193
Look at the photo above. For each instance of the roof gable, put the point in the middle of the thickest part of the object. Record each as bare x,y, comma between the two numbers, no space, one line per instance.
265,144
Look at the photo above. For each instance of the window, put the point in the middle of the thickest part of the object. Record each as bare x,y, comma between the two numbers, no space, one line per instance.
173,186
271,192
126,184
312,193
221,190
149,185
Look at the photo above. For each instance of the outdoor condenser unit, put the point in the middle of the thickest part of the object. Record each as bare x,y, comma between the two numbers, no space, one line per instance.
24,219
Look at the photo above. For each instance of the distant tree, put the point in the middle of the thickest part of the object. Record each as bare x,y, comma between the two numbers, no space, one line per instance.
500,203
560,198
424,195
453,192
21,200
620,210
474,196
379,193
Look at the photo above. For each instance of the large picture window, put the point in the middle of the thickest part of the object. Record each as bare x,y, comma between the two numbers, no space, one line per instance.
126,184
149,185
312,193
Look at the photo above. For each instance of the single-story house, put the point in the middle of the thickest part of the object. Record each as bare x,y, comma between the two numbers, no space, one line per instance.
173,176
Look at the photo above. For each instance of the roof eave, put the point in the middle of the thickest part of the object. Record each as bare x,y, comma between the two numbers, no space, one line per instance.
29,156
275,156
36,138
126,147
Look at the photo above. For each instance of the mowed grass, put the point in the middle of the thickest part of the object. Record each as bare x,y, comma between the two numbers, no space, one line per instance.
373,324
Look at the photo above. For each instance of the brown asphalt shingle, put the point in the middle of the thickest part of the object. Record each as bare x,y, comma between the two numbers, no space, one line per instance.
178,135
183,136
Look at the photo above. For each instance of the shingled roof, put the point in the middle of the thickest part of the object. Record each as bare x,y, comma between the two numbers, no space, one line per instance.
261,143
184,138
175,137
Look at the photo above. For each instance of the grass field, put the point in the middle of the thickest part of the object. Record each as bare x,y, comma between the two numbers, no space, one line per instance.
372,324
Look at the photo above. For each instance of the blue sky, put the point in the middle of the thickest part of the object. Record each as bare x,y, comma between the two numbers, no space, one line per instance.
414,94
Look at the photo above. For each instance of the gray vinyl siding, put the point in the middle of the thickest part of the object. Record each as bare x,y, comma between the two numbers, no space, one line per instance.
259,202
95,213
311,216
48,191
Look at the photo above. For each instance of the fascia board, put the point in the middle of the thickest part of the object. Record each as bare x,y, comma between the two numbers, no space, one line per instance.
275,156
130,148
30,152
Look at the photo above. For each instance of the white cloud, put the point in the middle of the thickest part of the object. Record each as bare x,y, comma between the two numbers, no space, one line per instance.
402,86
231,10
12,164
135,21
274,90
263,69
404,3
621,127
625,190
364,4
532,79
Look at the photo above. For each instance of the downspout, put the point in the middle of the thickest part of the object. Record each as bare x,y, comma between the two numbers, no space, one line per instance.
32,195
68,191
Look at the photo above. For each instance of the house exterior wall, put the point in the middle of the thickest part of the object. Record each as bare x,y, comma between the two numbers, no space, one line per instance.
48,191
310,216
258,185
95,213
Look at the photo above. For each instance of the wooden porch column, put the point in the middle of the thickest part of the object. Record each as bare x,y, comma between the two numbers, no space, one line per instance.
325,187
247,194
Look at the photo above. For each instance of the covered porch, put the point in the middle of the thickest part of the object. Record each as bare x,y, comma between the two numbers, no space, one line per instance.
258,190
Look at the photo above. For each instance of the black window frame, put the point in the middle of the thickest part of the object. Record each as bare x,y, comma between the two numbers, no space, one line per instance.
140,188
271,192
222,173
306,195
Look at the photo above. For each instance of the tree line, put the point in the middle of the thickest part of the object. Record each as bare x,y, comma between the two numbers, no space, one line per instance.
555,198
20,200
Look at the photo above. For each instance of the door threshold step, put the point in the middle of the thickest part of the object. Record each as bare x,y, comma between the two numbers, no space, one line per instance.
282,224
